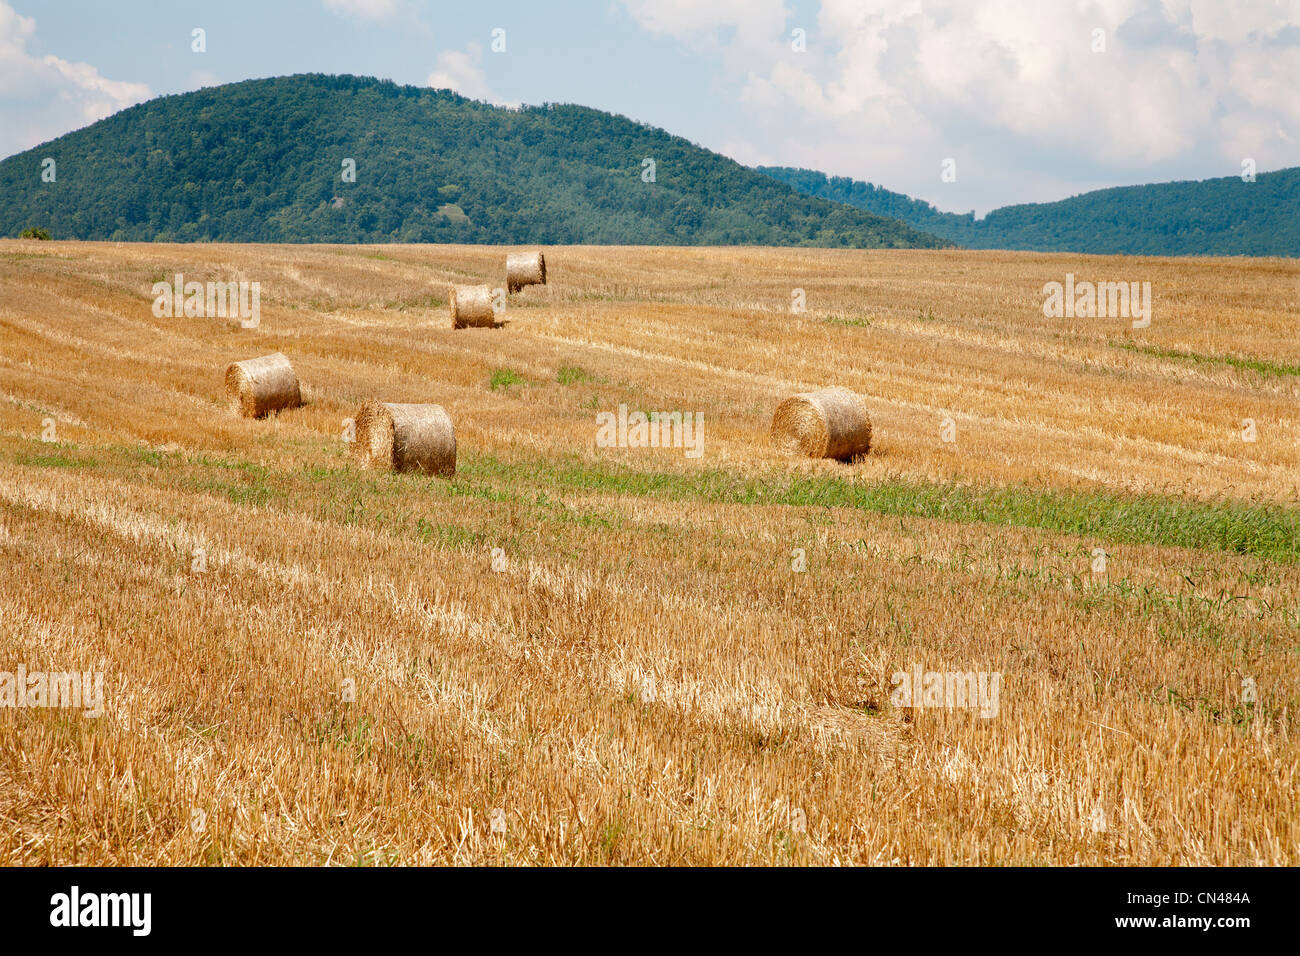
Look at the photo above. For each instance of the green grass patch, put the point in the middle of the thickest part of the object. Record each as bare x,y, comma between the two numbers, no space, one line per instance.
573,375
852,321
504,378
150,456
55,460
449,535
256,492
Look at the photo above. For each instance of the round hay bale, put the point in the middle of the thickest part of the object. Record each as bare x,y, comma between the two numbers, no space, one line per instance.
258,386
471,305
828,423
406,438
525,268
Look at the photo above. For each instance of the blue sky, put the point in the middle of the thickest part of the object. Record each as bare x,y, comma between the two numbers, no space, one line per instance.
1016,92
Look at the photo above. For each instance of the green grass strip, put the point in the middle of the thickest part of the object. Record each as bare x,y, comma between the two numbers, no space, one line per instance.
1262,366
1265,531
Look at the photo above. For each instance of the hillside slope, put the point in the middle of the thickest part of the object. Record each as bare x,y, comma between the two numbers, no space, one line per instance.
1222,217
263,160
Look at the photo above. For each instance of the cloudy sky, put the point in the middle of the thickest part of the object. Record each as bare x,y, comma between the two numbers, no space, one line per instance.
1033,99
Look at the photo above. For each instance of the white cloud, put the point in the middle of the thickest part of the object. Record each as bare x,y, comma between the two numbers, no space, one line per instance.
744,23
462,72
1011,88
44,97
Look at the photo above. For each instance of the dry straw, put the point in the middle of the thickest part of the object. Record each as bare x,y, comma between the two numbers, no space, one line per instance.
406,438
525,268
258,386
829,423
471,305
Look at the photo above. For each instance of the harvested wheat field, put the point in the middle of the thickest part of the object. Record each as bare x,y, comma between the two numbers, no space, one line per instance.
575,653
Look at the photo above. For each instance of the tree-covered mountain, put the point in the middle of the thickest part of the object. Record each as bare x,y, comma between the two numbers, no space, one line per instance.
264,160
1221,217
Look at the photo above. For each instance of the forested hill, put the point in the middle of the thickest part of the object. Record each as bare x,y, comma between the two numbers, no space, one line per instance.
1222,217
263,160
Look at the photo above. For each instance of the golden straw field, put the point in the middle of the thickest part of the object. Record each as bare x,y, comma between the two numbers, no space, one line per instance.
574,654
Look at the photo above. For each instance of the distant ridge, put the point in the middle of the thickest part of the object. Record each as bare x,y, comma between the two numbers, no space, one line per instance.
1219,217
